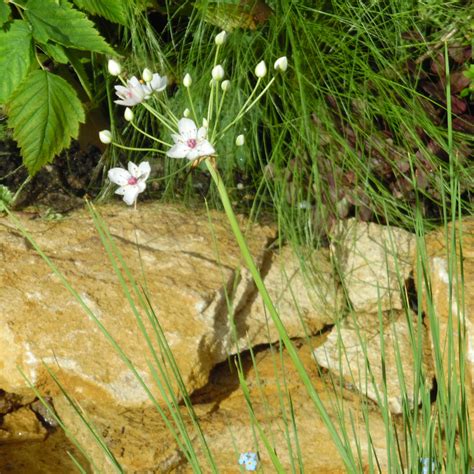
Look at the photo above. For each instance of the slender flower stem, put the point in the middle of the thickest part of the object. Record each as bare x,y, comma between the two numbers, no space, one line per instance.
160,117
130,148
210,104
219,109
249,103
191,103
151,137
249,261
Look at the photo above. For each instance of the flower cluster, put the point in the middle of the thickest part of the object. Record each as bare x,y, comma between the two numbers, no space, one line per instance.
249,460
136,91
190,142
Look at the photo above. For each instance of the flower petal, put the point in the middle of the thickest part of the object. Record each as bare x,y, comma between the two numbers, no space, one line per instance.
193,154
177,138
202,133
133,169
121,191
131,194
134,82
187,129
141,186
204,148
118,176
143,171
179,150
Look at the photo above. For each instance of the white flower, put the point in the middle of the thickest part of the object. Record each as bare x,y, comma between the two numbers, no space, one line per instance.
131,182
114,68
186,112
105,136
220,38
128,114
191,143
187,81
240,140
131,95
218,73
225,85
261,69
157,84
281,64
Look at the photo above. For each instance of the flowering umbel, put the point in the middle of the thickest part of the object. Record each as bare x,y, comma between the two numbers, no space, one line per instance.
135,92
131,182
191,143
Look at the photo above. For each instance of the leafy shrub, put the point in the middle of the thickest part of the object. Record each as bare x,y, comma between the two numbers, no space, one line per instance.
43,108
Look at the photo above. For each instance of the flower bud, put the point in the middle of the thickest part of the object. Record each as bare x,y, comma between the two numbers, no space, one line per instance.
147,75
220,38
114,68
205,123
186,113
105,136
225,85
218,73
128,114
261,69
240,140
281,64
187,81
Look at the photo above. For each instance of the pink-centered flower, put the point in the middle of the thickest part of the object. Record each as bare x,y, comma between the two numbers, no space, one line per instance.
131,182
131,95
191,143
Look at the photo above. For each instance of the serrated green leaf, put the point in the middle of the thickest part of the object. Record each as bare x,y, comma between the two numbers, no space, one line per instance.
5,12
16,53
64,25
45,114
113,10
55,51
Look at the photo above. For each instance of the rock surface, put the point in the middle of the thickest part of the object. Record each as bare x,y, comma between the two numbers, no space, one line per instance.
305,292
173,253
41,457
21,425
374,262
188,270
141,443
354,351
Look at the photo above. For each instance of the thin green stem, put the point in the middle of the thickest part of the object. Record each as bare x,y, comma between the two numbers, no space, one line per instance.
249,261
151,137
131,148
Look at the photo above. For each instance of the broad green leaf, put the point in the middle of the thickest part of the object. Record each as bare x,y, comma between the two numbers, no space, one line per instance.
16,53
64,25
45,114
4,13
113,10
55,51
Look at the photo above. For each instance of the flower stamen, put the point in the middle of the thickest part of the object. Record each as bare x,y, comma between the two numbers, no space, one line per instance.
192,142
